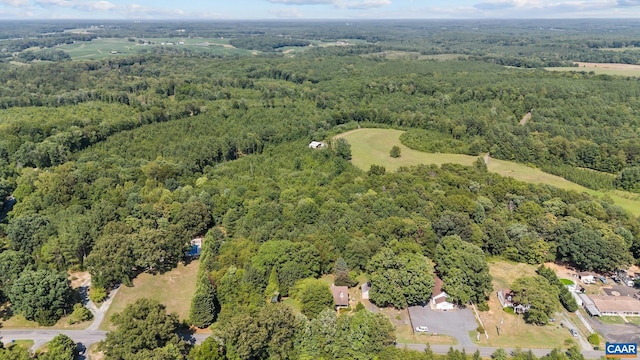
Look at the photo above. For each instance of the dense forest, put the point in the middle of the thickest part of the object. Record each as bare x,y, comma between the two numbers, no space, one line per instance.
114,165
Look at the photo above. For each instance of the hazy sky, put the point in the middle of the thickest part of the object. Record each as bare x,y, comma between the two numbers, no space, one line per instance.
316,9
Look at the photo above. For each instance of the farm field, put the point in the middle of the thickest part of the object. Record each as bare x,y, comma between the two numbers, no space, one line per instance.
602,68
101,48
514,331
371,146
174,289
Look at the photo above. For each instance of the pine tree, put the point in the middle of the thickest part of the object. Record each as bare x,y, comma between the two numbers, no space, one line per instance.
204,304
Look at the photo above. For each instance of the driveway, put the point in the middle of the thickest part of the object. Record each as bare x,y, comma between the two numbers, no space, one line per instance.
456,323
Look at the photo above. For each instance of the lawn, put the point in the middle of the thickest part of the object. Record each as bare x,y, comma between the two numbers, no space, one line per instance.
372,146
514,331
174,289
566,282
612,320
18,321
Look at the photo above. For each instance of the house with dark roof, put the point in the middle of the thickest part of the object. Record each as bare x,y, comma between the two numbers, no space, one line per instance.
505,296
439,297
340,296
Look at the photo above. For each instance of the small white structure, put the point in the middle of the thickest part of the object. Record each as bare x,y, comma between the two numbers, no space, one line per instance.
317,145
365,290
439,297
587,277
439,302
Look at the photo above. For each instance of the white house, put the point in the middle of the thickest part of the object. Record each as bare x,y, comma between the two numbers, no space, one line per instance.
439,297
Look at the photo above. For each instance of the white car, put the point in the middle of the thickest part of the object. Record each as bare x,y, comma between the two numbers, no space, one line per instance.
422,329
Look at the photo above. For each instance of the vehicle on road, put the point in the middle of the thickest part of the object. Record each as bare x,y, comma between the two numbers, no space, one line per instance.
422,329
573,332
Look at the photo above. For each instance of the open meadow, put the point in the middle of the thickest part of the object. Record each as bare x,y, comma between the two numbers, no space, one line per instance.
174,289
602,68
371,146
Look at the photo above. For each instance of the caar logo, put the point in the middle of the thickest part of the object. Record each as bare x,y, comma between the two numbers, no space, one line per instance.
614,350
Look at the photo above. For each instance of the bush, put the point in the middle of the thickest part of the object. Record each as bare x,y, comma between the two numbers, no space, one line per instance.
483,306
395,152
359,307
80,314
97,294
594,339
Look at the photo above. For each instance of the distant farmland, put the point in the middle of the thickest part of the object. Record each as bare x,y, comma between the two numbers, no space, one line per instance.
602,68
108,47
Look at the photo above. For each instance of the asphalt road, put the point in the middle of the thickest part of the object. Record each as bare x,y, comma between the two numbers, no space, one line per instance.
486,352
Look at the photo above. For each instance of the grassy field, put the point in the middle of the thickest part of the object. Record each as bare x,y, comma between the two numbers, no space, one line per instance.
566,282
601,68
514,331
101,48
19,322
371,146
405,335
173,289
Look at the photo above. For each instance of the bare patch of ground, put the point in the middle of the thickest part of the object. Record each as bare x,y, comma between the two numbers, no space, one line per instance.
608,66
525,119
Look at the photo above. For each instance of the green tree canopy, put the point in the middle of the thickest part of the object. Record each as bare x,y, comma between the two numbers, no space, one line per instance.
463,269
142,327
42,295
400,280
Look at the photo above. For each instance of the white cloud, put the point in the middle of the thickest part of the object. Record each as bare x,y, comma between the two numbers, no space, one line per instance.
342,4
15,3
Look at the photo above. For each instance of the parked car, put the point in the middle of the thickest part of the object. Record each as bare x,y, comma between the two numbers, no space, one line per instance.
422,329
573,332
603,279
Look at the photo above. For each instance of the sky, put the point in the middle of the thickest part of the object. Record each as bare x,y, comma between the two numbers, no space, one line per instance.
317,9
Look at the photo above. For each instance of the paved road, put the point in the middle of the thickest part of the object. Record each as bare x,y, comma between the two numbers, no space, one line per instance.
85,338
486,352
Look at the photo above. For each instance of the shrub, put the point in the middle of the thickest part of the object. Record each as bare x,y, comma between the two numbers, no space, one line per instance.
80,314
395,152
359,307
97,294
594,339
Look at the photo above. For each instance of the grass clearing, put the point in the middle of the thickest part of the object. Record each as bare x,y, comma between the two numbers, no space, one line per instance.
174,289
602,68
611,320
372,146
566,282
17,321
514,331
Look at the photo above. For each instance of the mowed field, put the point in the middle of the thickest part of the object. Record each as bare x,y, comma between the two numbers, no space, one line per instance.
602,68
372,146
101,48
174,289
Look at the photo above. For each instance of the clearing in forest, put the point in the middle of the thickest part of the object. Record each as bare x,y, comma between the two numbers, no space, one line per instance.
372,146
602,68
174,289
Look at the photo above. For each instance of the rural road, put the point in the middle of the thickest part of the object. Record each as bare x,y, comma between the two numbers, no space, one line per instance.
87,338
486,352
84,337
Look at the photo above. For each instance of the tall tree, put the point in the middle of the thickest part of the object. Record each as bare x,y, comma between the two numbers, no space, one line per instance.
141,327
42,295
400,280
464,270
